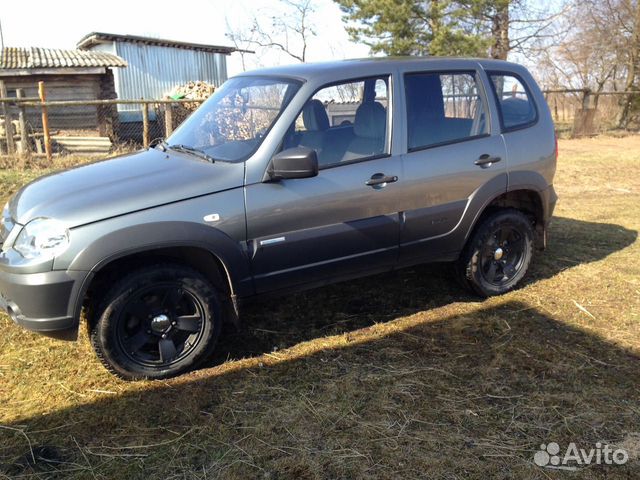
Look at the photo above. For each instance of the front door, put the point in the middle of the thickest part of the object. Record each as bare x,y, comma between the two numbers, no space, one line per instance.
345,221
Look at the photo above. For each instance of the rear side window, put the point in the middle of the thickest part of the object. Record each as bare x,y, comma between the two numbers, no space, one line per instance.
516,107
443,108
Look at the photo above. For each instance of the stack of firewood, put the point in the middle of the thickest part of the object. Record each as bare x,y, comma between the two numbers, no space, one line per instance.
190,91
193,91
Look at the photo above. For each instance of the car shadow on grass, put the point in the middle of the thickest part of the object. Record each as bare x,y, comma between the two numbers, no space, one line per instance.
287,320
472,395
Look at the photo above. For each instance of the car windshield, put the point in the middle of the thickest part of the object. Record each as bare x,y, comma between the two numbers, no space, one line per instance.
231,125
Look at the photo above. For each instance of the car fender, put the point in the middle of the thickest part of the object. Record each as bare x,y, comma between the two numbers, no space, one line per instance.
536,182
153,236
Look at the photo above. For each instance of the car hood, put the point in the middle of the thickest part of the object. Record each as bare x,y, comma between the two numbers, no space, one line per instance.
122,185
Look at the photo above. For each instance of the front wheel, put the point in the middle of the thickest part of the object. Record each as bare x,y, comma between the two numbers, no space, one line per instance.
157,322
498,255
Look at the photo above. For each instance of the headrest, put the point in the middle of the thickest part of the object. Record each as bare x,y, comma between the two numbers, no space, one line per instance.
371,120
516,110
315,116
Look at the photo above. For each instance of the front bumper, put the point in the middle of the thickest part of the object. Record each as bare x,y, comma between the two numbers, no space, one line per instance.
42,302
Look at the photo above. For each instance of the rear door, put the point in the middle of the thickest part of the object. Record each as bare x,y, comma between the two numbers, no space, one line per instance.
455,159
345,221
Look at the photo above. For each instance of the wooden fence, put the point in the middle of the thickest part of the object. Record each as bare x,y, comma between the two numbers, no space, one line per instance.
584,112
26,126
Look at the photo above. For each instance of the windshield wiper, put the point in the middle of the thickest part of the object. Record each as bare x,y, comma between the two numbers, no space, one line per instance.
192,151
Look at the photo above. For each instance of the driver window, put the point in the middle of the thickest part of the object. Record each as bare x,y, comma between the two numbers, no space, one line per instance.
344,123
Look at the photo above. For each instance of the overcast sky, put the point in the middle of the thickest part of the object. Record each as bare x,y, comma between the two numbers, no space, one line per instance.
61,23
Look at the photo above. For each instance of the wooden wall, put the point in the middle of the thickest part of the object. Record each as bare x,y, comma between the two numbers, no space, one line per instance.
67,87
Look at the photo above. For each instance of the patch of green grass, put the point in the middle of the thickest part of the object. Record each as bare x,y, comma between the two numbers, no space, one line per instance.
12,180
401,375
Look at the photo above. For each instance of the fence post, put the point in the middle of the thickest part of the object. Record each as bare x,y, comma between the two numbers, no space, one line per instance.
45,120
24,135
168,119
8,125
145,125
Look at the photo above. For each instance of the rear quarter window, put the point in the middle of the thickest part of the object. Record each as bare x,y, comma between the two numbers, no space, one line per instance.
515,104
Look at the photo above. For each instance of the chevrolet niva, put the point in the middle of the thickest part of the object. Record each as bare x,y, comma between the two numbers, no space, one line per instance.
286,178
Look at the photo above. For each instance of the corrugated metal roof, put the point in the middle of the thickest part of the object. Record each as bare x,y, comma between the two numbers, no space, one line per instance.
96,38
25,58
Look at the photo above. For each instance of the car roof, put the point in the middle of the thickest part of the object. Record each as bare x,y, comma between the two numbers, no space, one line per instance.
307,71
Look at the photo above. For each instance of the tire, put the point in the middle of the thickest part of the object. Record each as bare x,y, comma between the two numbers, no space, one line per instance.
498,254
157,322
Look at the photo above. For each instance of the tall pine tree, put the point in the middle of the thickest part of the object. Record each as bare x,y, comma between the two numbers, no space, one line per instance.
410,27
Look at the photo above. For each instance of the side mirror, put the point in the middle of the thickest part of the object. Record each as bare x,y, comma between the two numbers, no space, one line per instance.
298,162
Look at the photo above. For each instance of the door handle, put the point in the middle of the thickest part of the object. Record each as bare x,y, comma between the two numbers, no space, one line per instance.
486,160
380,180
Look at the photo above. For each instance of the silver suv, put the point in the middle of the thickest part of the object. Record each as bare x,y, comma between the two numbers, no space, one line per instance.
286,178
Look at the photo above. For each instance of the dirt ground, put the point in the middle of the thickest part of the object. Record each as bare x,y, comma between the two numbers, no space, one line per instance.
401,375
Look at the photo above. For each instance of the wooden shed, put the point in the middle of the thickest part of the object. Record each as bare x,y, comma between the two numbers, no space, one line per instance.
68,75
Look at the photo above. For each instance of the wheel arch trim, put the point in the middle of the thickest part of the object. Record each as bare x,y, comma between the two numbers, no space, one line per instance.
525,182
138,239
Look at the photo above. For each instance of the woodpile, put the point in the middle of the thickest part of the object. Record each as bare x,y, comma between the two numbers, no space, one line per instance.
190,91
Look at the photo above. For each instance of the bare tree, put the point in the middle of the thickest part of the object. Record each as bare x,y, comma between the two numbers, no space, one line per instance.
586,58
599,51
241,44
630,20
288,31
532,27
513,25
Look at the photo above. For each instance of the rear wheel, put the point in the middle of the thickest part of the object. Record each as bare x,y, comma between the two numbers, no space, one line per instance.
498,254
157,322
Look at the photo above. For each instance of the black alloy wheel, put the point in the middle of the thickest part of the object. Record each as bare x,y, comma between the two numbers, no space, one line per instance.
498,254
502,256
160,324
157,322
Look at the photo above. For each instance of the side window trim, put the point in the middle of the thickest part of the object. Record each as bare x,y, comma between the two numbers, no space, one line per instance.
525,85
388,134
351,162
482,93
447,142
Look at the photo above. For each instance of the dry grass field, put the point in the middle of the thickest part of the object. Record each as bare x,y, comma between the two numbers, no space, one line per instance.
398,376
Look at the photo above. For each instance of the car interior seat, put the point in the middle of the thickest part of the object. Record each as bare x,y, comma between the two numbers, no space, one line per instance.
316,123
369,130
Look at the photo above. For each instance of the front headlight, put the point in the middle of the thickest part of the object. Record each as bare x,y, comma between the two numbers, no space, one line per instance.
42,238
